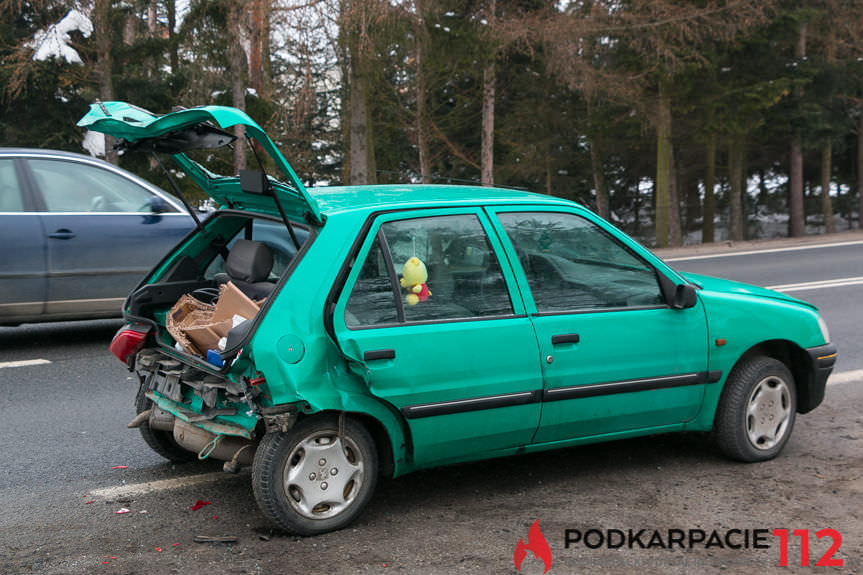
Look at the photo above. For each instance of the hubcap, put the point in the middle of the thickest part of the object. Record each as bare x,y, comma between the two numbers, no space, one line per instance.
768,412
323,475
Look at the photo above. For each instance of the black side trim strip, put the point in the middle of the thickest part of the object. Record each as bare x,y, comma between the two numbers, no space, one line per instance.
629,386
474,404
714,376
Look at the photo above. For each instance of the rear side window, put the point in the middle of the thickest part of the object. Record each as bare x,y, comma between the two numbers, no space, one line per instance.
10,192
429,269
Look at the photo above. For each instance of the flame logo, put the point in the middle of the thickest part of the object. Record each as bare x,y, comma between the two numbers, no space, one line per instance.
535,542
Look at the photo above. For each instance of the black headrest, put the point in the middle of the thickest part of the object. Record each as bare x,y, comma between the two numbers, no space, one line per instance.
249,261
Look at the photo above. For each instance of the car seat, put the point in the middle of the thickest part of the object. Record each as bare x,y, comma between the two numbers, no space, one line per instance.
248,266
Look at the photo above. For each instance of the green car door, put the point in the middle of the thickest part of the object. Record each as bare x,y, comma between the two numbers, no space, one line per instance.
435,325
615,356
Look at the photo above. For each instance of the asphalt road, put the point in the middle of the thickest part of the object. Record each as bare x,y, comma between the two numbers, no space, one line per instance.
62,421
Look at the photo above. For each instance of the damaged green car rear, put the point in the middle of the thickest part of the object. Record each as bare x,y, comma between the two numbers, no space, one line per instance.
330,336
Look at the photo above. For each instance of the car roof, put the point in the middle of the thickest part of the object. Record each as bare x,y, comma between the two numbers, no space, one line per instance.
374,198
30,152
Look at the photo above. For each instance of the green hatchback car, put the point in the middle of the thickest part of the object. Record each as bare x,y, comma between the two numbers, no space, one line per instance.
330,336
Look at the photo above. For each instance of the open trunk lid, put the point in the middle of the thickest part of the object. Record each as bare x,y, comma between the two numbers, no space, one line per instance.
202,128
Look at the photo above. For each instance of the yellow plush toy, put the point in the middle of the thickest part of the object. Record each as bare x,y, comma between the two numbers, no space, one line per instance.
414,276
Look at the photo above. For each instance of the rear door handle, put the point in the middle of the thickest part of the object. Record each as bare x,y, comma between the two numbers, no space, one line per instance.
62,234
565,338
379,354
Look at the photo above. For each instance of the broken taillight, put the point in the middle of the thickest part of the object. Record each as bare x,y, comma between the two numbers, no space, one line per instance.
129,341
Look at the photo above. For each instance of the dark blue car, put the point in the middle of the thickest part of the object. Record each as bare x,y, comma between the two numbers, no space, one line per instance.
77,235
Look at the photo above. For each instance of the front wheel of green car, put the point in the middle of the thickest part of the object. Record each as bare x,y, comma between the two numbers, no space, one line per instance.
757,409
316,477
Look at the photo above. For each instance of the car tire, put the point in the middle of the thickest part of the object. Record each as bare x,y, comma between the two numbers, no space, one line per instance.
316,477
756,411
162,442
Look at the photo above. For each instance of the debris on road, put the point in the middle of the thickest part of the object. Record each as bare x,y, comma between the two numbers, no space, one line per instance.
215,539
120,467
121,511
198,504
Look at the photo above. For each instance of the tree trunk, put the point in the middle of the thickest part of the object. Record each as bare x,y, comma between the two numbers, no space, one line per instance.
174,56
709,211
488,125
663,165
599,184
860,170
238,88
422,132
826,202
488,98
736,154
674,203
256,45
362,169
104,64
797,217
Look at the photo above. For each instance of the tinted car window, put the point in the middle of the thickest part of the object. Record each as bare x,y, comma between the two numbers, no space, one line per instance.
10,193
464,278
73,187
572,264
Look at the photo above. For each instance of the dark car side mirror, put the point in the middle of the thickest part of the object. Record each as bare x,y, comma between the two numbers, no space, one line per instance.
677,296
158,205
684,297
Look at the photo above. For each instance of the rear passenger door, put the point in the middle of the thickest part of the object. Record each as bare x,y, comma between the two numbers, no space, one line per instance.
461,364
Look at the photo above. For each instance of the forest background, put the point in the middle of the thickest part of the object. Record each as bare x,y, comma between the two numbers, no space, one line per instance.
682,121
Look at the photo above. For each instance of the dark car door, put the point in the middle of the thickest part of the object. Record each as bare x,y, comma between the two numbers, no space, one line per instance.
616,357
23,272
103,230
460,360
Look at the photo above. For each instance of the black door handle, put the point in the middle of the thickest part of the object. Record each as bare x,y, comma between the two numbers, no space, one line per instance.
62,234
565,338
379,354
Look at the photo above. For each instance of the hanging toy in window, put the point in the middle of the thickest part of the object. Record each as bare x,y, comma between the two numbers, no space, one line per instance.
414,276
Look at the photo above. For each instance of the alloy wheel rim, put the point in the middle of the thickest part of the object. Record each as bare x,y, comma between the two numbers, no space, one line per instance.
768,413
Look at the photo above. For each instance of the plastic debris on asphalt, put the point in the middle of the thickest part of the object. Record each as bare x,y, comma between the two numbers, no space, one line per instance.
120,467
121,511
215,539
198,504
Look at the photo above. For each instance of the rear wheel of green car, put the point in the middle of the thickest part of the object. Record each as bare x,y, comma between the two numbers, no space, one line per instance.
757,409
162,442
318,476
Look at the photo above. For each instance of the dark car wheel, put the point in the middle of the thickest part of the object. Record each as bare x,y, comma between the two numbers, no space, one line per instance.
315,478
757,409
162,442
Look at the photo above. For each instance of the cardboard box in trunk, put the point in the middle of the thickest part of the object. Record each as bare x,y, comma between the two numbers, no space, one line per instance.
199,326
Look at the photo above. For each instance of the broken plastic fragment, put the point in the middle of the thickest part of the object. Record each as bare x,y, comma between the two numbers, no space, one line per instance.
159,549
121,511
198,504
89,502
120,467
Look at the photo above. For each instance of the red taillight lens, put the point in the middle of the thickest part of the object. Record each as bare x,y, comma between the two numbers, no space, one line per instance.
129,340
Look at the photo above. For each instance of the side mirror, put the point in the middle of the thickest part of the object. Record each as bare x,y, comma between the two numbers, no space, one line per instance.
158,205
684,297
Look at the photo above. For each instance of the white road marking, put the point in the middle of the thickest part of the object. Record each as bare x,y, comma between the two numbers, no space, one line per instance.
163,484
821,284
765,251
24,363
846,377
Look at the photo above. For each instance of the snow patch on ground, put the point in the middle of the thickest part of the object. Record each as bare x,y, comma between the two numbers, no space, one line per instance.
94,142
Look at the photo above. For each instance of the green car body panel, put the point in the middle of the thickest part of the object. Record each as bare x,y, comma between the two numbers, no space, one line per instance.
445,391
